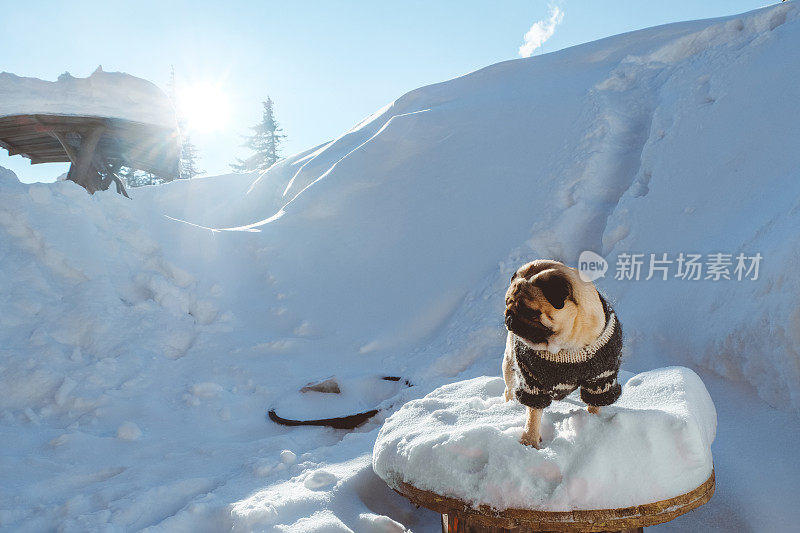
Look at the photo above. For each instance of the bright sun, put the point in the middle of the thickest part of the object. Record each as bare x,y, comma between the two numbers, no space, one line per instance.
204,106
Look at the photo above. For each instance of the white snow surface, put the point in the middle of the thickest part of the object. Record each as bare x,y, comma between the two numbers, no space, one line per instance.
103,94
7,174
462,441
387,252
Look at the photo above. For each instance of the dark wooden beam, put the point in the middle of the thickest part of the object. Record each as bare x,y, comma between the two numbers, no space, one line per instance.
71,153
22,135
36,160
41,148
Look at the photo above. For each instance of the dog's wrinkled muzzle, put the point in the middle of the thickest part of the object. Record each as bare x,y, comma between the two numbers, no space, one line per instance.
532,332
509,320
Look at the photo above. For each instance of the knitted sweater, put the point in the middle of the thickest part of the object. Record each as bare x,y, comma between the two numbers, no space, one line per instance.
543,376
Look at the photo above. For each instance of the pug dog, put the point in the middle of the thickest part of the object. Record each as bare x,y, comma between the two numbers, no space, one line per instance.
562,335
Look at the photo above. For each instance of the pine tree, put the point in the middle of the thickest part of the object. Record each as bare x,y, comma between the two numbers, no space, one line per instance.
265,142
129,176
189,154
188,159
171,85
137,178
187,168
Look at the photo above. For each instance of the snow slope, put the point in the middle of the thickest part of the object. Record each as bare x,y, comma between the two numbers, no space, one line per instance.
7,174
139,354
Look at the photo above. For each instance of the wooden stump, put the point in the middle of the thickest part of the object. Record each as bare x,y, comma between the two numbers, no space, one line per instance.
459,517
466,523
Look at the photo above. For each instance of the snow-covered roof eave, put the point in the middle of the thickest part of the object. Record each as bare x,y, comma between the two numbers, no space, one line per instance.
103,94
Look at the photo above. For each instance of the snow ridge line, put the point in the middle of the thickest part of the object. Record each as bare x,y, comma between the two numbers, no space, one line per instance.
347,143
255,225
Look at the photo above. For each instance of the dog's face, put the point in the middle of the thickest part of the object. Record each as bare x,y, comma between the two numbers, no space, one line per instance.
550,308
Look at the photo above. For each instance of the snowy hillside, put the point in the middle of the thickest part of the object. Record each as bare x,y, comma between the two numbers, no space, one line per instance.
6,174
139,354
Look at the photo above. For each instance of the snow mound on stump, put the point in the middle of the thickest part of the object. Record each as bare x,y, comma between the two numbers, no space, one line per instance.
462,441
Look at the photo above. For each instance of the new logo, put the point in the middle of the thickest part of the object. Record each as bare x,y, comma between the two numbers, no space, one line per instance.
591,266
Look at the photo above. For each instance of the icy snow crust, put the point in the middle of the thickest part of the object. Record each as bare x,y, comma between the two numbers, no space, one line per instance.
462,441
103,94
139,355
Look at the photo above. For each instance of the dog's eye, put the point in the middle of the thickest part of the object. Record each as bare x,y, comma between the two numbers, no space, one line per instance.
530,312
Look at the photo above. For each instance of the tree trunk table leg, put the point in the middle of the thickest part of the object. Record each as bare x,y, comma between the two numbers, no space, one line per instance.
83,167
461,523
456,522
80,171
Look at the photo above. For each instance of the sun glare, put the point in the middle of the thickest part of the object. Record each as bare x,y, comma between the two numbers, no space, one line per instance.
204,106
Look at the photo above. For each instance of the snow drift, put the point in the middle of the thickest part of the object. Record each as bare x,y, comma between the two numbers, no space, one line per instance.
139,354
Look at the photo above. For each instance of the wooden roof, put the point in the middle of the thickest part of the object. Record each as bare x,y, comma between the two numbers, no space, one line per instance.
150,148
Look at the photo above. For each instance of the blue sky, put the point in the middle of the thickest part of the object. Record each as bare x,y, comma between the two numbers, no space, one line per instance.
325,64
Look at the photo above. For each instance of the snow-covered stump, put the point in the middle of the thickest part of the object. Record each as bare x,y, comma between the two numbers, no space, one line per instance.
643,461
458,516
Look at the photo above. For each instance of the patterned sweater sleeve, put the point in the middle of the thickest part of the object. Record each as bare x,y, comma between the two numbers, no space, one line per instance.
603,389
531,393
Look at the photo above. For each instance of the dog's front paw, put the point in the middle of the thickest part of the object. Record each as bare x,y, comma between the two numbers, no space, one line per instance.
531,439
508,395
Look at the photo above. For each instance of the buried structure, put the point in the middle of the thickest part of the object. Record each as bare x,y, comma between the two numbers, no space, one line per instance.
643,461
98,124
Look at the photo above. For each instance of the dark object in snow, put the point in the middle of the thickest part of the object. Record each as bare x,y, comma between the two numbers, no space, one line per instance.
331,386
343,422
397,378
461,517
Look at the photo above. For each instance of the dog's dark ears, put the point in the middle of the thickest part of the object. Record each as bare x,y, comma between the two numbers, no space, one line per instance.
522,272
555,287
